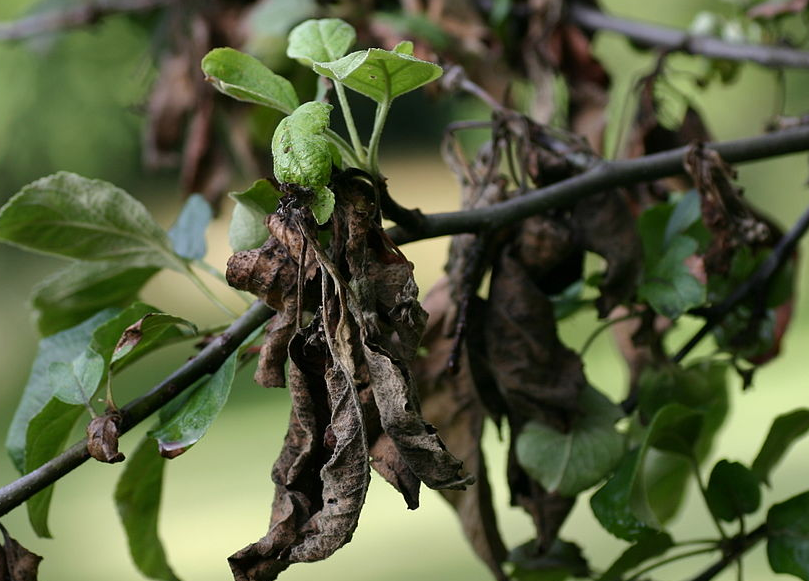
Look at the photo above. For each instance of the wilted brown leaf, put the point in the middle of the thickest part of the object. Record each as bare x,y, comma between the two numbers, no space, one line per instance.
16,562
450,402
605,225
536,373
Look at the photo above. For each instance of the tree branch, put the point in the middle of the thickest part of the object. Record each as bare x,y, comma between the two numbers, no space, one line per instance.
73,17
208,360
738,547
604,176
672,39
757,282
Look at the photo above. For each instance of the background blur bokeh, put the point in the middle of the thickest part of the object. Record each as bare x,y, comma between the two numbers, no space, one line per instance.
75,102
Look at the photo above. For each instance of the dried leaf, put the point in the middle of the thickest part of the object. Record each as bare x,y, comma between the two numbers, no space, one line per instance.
605,226
538,376
388,462
16,562
450,402
102,438
417,440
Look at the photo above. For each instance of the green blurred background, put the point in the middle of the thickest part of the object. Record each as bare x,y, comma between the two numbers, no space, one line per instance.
75,103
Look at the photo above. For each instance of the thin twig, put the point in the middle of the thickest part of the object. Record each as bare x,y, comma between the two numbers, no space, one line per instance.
738,546
601,177
73,17
671,39
207,361
756,283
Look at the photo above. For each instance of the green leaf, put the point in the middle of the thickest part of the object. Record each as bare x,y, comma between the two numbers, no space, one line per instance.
665,480
675,428
733,491
404,47
261,197
685,214
570,462
245,78
147,334
47,435
76,382
326,39
323,204
75,293
187,235
71,216
64,346
301,152
380,74
194,417
137,497
247,229
562,560
650,545
569,301
106,336
784,431
668,286
611,503
788,536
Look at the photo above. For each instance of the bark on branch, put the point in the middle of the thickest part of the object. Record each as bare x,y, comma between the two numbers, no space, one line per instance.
672,39
207,361
606,175
73,17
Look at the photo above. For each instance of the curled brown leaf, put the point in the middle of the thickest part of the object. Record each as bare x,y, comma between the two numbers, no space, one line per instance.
102,438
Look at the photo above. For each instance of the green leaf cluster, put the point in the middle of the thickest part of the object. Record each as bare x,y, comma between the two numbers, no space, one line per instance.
304,148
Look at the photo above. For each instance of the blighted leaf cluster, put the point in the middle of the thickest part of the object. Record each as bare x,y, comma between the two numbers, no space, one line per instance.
347,327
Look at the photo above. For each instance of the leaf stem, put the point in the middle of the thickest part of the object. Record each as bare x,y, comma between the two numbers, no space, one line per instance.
704,492
373,145
346,152
217,274
349,119
208,294
673,558
601,328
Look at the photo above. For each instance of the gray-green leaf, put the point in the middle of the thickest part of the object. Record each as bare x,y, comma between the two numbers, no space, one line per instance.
326,39
380,74
301,152
788,536
570,462
245,78
194,416
47,434
63,346
784,431
187,235
137,497
652,544
75,217
76,382
73,294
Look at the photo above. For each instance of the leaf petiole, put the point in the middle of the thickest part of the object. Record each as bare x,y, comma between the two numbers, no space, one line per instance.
208,293
349,119
373,146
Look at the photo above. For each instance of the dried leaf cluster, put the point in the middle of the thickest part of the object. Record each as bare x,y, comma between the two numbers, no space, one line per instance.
348,326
